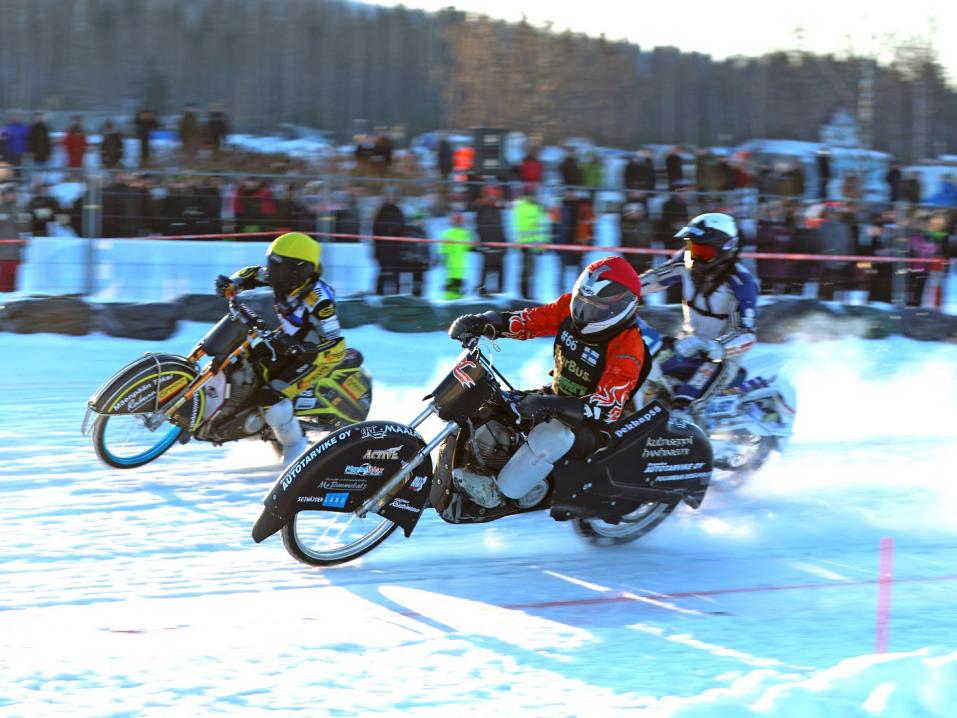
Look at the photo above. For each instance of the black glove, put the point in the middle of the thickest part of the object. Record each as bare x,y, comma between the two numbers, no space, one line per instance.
469,326
223,283
568,409
287,346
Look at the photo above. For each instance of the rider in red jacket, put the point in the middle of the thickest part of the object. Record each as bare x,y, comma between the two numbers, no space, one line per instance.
599,354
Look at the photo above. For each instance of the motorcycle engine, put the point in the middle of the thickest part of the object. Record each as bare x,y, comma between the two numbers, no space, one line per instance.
236,419
492,445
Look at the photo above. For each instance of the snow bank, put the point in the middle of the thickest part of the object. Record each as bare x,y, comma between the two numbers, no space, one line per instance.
919,683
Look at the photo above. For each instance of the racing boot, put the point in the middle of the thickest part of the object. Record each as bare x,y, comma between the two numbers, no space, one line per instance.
481,488
285,426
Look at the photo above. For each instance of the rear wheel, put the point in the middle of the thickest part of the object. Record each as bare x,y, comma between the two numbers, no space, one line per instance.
125,441
325,538
633,526
752,455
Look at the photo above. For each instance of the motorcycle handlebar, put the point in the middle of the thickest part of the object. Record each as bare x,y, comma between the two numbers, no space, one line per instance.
249,319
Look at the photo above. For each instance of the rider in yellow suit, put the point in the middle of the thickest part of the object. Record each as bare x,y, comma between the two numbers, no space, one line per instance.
311,344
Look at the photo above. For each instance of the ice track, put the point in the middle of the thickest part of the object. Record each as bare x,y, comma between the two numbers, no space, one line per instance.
141,593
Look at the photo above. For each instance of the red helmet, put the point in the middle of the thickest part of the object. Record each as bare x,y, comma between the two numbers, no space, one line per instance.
605,297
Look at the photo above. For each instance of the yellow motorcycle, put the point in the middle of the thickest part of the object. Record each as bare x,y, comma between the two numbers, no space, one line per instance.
161,399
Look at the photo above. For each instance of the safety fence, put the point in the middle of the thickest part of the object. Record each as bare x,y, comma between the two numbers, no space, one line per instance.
154,269
177,203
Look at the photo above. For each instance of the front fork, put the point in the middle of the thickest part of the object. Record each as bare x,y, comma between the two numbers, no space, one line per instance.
395,482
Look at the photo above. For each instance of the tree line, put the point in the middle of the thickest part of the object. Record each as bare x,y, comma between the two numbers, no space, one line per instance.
327,63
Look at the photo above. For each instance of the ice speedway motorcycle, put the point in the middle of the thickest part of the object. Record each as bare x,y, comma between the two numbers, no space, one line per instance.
751,417
346,494
161,399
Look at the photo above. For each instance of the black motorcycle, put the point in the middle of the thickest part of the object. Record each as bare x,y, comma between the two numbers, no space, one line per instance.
346,494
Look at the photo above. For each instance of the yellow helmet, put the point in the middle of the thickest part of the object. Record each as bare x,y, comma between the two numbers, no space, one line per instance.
293,262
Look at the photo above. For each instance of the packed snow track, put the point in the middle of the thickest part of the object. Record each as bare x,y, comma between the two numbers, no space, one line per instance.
141,592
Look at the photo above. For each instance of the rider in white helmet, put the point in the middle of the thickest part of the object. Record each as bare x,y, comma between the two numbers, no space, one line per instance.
719,299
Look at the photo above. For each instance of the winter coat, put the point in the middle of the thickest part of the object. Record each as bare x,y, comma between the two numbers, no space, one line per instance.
835,237
571,172
18,135
530,222
488,223
674,215
388,222
253,207
444,158
43,209
773,237
594,173
455,255
634,226
75,144
39,142
586,222
893,179
568,223
189,128
111,149
674,168
530,171
640,174
216,128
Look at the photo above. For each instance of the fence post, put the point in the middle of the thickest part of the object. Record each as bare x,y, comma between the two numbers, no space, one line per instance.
92,226
899,277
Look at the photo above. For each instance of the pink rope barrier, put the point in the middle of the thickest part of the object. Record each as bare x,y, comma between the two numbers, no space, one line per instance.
562,247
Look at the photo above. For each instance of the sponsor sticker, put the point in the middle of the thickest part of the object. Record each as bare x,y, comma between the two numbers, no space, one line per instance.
404,505
638,421
660,466
589,356
418,482
292,473
335,501
343,484
354,385
382,454
364,470
653,453
681,477
380,432
168,391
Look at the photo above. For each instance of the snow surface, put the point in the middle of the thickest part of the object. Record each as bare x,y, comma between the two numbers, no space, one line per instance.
141,593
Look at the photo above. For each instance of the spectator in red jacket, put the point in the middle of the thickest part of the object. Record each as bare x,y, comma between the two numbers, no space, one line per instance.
75,143
530,172
254,206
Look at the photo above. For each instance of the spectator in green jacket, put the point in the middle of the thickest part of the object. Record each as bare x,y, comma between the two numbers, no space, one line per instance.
593,174
455,256
531,224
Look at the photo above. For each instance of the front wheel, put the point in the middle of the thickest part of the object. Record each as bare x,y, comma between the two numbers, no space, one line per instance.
325,538
125,441
633,526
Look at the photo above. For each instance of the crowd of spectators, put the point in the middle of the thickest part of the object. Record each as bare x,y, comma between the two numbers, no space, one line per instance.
28,150
530,203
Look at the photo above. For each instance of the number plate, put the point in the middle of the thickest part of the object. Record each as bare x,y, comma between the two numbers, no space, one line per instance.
724,406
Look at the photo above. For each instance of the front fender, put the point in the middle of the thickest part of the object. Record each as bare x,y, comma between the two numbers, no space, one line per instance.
142,370
344,469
